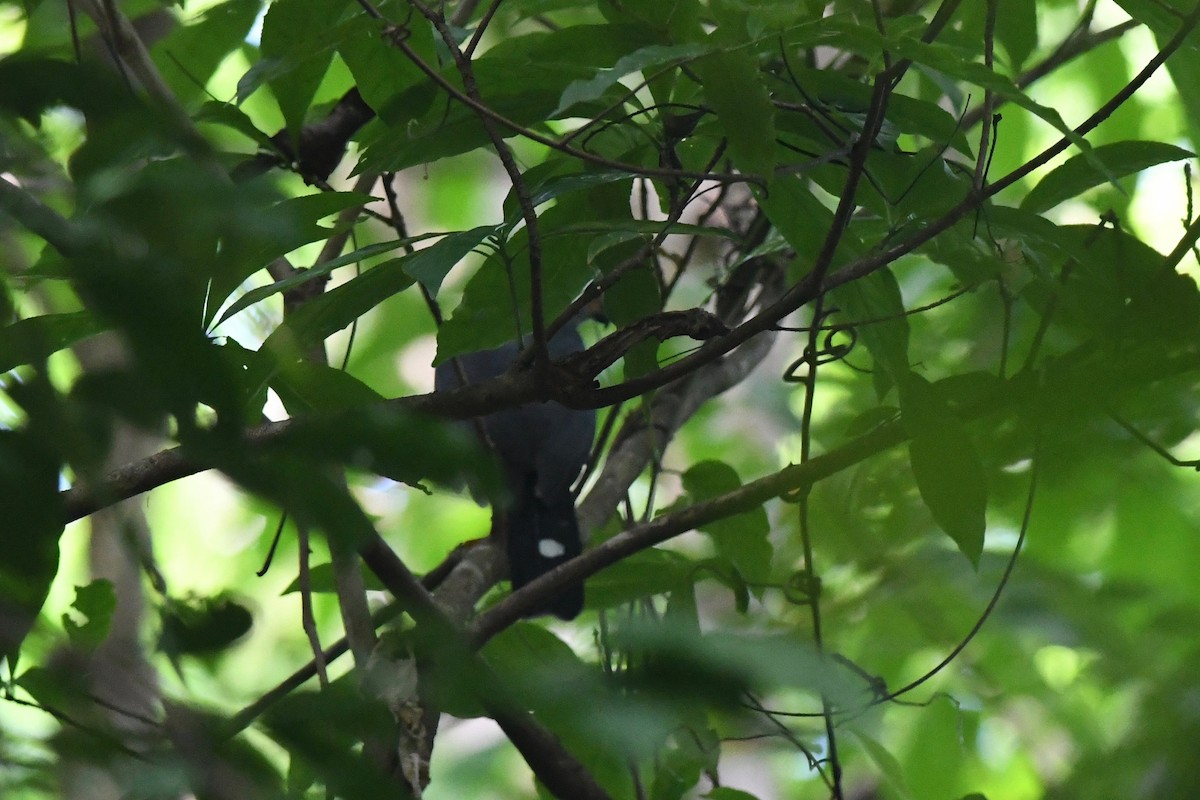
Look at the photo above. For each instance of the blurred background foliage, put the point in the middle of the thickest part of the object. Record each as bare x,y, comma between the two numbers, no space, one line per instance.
1044,379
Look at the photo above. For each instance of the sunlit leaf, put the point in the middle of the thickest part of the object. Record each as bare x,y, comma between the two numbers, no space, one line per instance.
296,37
93,609
1080,173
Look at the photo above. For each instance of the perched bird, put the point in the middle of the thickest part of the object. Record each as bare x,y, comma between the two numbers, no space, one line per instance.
541,448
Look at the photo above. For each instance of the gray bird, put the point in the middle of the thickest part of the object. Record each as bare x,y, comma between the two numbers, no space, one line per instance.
541,448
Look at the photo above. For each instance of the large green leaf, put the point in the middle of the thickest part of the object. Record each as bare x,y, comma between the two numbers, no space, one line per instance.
1080,173
330,750
740,539
1163,18
250,243
199,626
301,277
949,474
33,521
430,266
30,341
949,60
733,87
189,55
405,447
306,386
641,575
296,45
876,308
1017,31
593,88
716,667
385,76
844,98
496,298
804,221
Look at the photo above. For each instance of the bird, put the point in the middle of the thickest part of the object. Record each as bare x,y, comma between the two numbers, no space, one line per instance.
541,448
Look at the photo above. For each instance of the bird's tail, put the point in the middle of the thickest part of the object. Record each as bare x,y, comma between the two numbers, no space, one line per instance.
543,533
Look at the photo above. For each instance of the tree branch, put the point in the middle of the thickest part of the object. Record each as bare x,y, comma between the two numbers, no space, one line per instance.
626,543
553,764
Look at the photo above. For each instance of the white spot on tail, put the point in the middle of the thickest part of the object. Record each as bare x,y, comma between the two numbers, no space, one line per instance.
548,548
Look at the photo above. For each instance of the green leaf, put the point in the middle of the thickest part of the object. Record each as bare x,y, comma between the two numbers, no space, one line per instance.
296,39
593,88
29,341
717,667
387,79
296,477
331,750
233,118
305,386
190,54
1017,31
303,276
31,85
405,447
522,77
684,758
557,185
327,314
803,221
644,574
1163,18
202,626
330,312
733,87
742,538
846,96
634,296
939,759
56,688
949,60
1080,173
887,764
646,226
875,302
33,521
321,579
430,266
272,232
949,474
95,603
496,298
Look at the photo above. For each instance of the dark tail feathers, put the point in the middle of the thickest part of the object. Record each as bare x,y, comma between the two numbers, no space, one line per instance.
542,535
